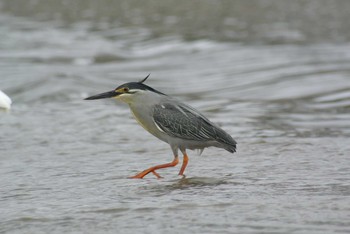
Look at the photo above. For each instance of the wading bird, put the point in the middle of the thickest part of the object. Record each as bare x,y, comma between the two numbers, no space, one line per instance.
5,101
171,121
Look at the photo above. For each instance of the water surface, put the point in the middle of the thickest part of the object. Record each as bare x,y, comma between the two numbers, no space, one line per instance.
283,96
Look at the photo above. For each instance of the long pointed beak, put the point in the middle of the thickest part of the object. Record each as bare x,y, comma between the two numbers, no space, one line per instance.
109,94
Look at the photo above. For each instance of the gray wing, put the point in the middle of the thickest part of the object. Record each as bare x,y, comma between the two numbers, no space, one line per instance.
182,121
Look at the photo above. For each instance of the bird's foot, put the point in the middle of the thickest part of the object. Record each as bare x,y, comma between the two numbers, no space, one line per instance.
153,169
144,173
156,174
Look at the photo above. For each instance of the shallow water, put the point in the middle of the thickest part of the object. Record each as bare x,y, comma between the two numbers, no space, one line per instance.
65,162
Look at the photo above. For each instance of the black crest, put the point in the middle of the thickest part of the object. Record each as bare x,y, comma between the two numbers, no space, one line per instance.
144,79
140,85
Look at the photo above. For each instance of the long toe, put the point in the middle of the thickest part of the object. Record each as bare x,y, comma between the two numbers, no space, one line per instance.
153,169
144,173
141,174
156,174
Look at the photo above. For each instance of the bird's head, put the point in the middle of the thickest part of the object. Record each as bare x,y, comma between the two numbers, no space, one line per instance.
127,92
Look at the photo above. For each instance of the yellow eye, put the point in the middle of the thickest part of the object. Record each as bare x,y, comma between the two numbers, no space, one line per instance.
126,89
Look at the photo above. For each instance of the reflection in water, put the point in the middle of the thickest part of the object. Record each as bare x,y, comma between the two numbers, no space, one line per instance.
185,182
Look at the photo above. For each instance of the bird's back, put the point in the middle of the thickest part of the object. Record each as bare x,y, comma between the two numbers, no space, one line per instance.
184,122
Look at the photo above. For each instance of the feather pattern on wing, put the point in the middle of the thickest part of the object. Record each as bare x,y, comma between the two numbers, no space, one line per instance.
182,121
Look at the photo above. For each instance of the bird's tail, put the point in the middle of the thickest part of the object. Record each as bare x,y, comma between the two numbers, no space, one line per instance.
229,144
231,148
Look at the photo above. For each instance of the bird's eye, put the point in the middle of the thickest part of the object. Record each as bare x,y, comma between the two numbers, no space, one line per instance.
126,89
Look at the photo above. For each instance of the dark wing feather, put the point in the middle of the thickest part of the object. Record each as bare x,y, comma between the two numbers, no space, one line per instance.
182,121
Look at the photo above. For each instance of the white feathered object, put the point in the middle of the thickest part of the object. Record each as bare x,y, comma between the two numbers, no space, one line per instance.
5,101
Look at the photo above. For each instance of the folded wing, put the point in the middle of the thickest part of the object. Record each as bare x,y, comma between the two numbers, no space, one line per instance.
182,121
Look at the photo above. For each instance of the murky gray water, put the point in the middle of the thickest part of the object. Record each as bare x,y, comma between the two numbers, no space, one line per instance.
275,75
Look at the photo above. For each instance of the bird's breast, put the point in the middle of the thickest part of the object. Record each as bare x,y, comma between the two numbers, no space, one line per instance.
144,117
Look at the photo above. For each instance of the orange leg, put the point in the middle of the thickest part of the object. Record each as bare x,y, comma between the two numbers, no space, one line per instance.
184,164
153,169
